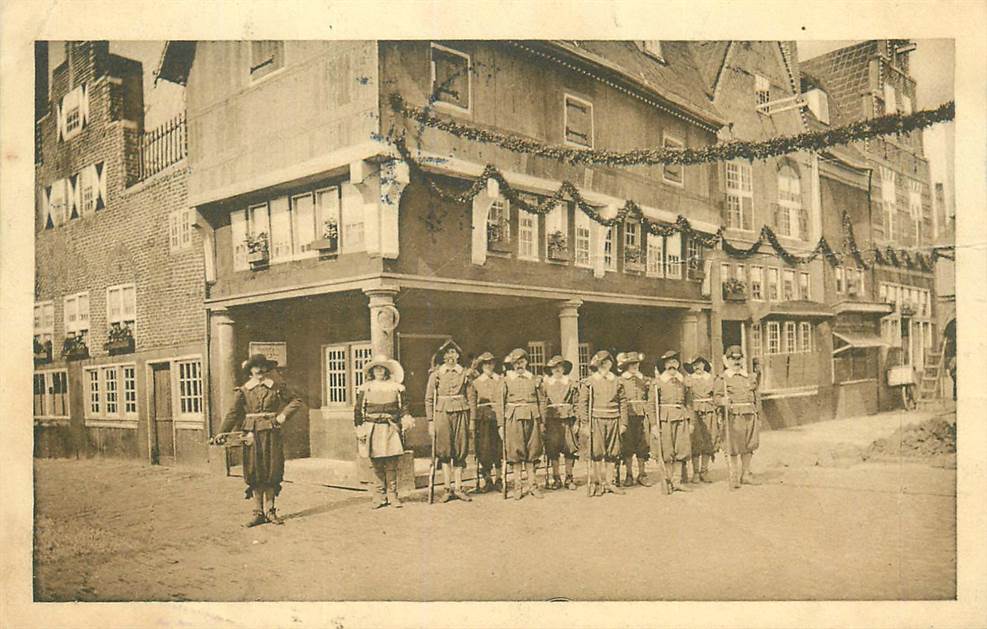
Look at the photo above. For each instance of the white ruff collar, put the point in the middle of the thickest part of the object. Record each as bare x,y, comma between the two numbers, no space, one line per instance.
518,374
446,368
250,384
670,375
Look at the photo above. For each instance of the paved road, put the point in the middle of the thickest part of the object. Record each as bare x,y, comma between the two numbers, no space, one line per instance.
115,530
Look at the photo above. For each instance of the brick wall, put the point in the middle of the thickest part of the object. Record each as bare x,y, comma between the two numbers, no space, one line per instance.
128,240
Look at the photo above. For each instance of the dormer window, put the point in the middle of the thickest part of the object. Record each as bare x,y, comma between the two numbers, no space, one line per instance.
653,48
762,90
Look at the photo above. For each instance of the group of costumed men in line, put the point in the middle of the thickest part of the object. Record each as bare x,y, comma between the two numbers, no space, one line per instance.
517,417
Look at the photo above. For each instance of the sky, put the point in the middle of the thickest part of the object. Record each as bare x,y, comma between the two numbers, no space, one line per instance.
932,66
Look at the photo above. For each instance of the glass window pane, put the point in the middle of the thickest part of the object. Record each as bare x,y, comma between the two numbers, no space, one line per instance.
303,207
280,242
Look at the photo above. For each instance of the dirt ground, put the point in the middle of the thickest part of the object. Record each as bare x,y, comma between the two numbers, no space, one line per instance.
826,524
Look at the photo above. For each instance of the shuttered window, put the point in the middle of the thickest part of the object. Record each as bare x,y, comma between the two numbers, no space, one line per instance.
578,121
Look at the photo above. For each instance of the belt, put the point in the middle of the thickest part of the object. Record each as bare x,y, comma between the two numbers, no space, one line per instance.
673,405
637,400
522,403
485,404
563,404
380,419
450,397
260,415
702,399
605,410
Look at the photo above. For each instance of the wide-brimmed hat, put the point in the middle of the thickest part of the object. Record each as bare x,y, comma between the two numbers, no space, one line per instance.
395,372
446,346
627,358
700,359
258,360
555,361
599,357
479,361
670,354
515,354
733,351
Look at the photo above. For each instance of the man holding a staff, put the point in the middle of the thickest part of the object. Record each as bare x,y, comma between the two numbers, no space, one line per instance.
448,418
602,420
736,393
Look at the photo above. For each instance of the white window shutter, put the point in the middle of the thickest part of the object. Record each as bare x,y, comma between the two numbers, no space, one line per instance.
84,104
73,205
481,211
46,219
597,247
60,120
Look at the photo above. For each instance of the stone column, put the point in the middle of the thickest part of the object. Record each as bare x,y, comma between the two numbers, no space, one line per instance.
383,318
569,332
690,334
224,364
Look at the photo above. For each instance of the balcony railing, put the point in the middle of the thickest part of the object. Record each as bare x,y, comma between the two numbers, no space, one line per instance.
162,147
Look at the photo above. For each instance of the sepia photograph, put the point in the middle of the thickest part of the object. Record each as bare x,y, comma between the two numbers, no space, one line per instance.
457,319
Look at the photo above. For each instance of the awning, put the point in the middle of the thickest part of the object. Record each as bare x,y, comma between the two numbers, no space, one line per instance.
859,341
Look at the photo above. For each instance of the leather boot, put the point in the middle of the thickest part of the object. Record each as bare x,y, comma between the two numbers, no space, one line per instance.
273,517
256,519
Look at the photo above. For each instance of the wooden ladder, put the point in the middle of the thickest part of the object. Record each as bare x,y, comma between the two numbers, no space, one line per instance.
930,388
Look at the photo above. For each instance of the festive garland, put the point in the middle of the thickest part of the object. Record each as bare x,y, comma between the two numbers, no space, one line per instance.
631,211
892,124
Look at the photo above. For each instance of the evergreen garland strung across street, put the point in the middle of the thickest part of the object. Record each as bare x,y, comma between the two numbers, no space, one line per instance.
892,124
631,211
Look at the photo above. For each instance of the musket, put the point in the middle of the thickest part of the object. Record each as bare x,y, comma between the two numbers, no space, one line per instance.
503,446
431,469
589,457
658,442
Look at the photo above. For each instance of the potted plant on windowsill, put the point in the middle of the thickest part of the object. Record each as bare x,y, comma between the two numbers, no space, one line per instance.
42,352
329,243
907,309
257,250
558,247
75,348
499,236
633,259
734,290
120,340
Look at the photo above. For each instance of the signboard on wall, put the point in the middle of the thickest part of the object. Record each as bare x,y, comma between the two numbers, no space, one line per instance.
273,350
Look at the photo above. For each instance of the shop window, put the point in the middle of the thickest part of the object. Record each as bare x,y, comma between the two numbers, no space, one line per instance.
805,336
343,372
774,338
585,352
578,121
450,77
190,389
266,57
51,394
791,342
536,356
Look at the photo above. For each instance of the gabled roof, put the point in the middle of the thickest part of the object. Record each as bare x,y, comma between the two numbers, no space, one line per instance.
711,58
176,62
675,79
846,72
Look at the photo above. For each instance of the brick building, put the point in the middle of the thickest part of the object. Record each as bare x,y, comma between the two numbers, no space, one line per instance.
282,141
870,79
118,324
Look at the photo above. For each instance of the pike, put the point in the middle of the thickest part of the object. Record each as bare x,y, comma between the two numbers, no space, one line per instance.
658,443
589,457
727,404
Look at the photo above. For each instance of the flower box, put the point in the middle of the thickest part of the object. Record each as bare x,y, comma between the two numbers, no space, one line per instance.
121,345
325,245
907,309
258,258
42,352
258,251
75,348
734,290
558,247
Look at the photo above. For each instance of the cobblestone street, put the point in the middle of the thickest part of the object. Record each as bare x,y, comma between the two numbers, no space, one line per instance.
824,525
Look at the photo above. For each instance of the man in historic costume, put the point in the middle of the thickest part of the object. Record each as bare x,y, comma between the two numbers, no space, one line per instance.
259,409
448,416
635,442
381,417
736,393
705,433
484,395
521,422
673,424
561,437
602,411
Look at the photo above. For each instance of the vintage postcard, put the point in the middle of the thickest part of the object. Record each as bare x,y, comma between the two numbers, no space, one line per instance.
585,325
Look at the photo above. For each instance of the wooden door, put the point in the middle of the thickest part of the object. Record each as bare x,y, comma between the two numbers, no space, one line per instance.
162,418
